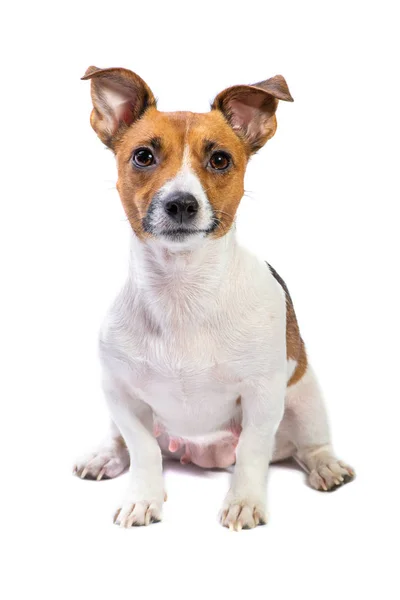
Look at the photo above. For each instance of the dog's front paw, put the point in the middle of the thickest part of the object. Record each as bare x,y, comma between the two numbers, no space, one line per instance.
242,513
135,514
330,474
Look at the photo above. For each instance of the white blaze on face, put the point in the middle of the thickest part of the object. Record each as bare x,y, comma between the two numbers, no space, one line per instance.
185,181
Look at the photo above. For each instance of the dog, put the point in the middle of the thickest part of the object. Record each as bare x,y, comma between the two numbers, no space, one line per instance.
201,352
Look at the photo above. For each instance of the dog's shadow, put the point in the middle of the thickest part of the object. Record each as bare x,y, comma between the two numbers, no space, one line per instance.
174,466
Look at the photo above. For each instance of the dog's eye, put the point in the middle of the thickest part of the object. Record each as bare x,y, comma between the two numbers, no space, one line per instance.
143,157
220,161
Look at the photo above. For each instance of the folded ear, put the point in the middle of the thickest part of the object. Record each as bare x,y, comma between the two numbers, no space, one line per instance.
250,109
119,98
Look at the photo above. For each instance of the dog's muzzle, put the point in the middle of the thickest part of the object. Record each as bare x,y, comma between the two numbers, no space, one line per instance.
178,216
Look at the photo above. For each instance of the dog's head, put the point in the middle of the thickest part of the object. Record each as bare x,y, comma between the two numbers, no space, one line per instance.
180,175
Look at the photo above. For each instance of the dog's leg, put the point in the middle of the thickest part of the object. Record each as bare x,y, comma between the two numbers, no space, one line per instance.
109,460
144,497
306,420
262,406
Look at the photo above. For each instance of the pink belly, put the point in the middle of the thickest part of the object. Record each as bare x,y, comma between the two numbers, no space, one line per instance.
221,454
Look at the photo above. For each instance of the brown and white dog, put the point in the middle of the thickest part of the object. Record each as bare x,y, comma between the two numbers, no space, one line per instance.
201,351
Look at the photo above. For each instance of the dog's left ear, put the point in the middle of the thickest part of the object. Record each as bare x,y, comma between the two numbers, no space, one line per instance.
119,97
250,109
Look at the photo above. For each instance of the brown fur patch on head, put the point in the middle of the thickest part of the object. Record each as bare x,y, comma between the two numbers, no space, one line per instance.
210,133
200,134
137,187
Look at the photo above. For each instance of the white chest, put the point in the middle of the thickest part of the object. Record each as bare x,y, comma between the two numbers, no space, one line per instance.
192,382
188,352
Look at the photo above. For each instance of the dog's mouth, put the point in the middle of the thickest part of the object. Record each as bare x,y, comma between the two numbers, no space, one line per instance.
183,232
180,233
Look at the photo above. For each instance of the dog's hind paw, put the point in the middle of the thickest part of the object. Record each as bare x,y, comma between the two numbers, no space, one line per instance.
328,477
105,463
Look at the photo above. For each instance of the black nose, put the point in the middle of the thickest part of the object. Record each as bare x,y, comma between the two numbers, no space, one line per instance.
182,207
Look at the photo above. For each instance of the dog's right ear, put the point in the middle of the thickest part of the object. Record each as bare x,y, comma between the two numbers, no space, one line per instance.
250,109
119,97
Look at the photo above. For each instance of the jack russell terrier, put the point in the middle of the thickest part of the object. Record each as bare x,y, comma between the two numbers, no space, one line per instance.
201,352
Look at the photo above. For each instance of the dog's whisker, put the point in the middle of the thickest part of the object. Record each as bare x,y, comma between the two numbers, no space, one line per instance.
222,212
250,196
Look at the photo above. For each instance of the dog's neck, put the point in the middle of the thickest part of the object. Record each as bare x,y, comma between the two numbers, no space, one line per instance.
181,286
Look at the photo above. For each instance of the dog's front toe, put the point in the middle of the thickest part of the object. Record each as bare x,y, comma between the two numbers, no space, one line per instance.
238,514
136,514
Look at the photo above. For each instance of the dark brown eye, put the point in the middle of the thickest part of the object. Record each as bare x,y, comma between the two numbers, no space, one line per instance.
143,157
220,161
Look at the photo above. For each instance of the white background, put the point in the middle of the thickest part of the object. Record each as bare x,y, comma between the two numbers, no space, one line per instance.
321,205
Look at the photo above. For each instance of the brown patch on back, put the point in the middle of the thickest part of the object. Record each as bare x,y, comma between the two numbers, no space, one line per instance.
295,347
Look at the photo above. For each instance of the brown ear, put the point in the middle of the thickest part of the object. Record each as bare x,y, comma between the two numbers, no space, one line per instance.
119,98
250,109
